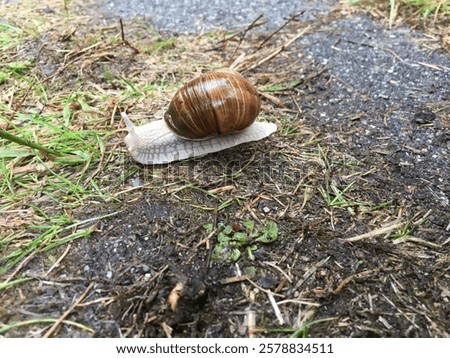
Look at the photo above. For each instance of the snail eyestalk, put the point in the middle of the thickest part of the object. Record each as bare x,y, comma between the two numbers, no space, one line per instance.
132,139
128,123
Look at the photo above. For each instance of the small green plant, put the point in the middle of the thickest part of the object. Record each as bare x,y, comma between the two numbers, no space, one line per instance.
160,45
3,77
10,36
410,227
233,241
18,68
428,7
302,331
423,7
334,196
282,86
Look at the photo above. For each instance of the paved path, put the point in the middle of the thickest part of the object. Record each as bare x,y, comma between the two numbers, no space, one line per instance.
194,16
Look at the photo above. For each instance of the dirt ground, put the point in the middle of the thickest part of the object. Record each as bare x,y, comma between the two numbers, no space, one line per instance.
356,180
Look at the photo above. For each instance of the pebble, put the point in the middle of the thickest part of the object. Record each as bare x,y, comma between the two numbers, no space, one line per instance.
424,117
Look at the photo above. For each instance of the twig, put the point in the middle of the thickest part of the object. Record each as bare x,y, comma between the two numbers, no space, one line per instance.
279,29
301,82
375,47
383,230
279,49
278,269
350,278
401,312
19,105
66,251
68,312
233,279
263,289
251,323
105,301
125,41
418,241
206,239
251,314
275,307
299,302
311,271
253,25
246,207
167,329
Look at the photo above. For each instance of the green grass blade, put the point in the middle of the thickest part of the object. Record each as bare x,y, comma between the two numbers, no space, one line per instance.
11,326
12,138
4,286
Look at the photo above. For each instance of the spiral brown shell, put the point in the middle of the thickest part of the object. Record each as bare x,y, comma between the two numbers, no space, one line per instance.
215,103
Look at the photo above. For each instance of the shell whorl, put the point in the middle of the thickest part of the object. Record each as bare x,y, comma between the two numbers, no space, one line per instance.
215,103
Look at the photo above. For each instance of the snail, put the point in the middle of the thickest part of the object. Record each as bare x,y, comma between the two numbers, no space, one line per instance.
213,112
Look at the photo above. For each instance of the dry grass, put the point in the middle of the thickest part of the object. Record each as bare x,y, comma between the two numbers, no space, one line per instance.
431,16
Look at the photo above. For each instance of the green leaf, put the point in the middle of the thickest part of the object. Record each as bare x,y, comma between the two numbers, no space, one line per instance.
250,250
272,230
219,251
269,233
3,77
249,225
240,237
250,271
13,138
235,254
17,67
223,238
208,227
263,238
228,230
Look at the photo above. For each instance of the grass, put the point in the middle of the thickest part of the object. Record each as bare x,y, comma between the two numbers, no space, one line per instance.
41,321
53,145
429,11
411,226
427,7
10,36
303,332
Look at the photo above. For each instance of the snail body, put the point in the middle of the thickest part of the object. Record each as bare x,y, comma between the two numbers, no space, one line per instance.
211,113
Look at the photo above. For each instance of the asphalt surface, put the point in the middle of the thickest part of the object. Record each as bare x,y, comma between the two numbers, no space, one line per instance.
195,16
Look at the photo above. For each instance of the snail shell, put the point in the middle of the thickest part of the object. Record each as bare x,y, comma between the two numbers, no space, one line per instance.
211,113
213,104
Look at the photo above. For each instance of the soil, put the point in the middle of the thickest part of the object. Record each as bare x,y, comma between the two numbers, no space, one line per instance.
366,121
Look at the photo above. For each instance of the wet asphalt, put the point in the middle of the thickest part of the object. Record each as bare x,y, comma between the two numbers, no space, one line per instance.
196,16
